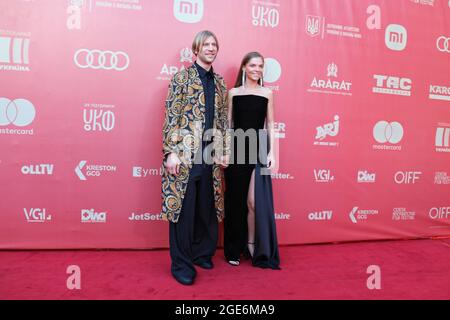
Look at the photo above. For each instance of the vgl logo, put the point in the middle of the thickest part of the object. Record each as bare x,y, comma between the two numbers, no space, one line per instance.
37,215
90,216
188,11
265,17
98,120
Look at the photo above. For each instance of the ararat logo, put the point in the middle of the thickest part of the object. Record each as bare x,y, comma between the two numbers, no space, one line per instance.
329,129
392,85
37,215
366,177
186,55
90,216
358,214
330,85
323,175
188,11
439,93
14,54
391,133
265,16
396,37
168,71
320,215
38,169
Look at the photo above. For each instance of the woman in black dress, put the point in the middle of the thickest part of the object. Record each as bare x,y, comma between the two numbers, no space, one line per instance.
249,225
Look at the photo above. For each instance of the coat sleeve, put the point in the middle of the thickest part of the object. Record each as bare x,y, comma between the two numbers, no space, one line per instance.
173,108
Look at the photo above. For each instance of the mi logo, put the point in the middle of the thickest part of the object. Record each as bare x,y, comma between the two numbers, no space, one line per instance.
188,11
396,37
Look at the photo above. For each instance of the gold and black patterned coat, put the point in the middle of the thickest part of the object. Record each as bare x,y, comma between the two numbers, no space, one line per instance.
182,132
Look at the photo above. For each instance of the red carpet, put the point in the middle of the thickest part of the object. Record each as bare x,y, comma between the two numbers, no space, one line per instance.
414,269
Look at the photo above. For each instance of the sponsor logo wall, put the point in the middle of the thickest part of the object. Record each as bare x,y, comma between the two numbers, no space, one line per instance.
362,109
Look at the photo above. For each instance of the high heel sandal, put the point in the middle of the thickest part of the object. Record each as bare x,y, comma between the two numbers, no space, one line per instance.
252,251
234,262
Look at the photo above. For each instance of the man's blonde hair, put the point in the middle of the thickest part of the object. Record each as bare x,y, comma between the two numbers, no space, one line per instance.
200,38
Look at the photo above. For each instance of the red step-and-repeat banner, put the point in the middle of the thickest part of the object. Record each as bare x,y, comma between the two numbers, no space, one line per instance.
362,107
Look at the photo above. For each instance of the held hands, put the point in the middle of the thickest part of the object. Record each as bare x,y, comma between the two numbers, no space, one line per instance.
223,161
173,164
270,161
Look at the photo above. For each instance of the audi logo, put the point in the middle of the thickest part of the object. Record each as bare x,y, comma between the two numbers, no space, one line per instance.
388,132
19,112
105,60
443,44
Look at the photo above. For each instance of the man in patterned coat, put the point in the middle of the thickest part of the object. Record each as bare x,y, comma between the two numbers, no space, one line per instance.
193,148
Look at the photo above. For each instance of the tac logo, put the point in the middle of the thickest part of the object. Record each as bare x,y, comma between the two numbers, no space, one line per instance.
396,37
18,112
188,11
392,85
272,70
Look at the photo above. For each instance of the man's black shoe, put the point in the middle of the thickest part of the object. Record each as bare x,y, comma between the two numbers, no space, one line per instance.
187,281
205,264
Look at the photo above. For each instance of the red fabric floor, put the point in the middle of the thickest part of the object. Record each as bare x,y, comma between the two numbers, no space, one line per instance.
410,269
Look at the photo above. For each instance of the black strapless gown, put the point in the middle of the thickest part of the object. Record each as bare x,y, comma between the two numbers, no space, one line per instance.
249,112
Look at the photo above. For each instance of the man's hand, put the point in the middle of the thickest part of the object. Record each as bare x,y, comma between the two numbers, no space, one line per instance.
173,164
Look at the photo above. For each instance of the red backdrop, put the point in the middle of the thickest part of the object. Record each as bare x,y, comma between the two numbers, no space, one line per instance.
362,104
